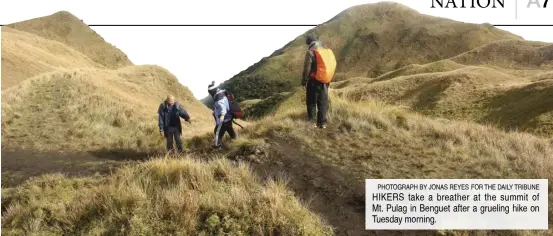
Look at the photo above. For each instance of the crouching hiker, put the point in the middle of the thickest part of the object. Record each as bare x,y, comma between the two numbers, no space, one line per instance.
170,127
222,114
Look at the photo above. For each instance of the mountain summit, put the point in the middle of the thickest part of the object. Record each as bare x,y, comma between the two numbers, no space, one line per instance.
70,30
368,40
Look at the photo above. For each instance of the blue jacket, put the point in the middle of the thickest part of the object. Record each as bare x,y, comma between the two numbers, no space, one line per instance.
164,116
221,107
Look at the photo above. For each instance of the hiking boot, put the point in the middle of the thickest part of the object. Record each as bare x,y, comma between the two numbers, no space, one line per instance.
321,126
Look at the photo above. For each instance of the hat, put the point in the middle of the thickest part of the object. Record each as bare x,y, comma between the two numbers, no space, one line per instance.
310,39
212,89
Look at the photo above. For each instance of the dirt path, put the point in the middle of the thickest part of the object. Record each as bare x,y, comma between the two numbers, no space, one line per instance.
326,189
20,165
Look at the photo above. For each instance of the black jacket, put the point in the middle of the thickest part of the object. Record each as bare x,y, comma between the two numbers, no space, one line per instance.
164,116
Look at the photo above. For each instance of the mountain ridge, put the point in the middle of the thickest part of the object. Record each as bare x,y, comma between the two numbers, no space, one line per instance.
66,28
390,32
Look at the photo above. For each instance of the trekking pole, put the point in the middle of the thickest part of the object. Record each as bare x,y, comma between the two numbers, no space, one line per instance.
233,121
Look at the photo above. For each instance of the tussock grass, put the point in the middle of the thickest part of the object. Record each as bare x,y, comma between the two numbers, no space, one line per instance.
159,197
471,93
368,40
453,143
438,67
91,109
510,54
74,93
71,31
66,89
95,102
369,139
25,55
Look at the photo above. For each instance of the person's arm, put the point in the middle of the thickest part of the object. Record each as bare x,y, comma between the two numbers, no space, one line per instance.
160,118
221,107
307,67
183,114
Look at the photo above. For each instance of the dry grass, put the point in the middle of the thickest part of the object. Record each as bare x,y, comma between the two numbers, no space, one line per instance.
368,40
505,83
91,109
25,55
510,54
436,66
471,93
71,92
71,31
371,127
371,140
159,197
70,103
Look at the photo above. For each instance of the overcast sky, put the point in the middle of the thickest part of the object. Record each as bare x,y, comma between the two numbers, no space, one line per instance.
198,55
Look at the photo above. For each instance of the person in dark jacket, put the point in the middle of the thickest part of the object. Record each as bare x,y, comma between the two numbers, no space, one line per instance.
317,92
170,127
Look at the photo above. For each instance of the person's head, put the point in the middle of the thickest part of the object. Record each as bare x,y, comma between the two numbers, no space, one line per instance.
212,89
310,39
170,100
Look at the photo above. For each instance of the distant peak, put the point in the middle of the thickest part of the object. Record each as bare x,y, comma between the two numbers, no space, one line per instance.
387,4
64,15
370,8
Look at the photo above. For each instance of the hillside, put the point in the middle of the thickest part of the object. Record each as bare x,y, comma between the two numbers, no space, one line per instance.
79,144
159,197
368,40
508,84
369,139
25,55
73,32
510,54
78,131
92,109
64,88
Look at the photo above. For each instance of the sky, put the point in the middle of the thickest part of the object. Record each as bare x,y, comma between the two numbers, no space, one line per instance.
199,55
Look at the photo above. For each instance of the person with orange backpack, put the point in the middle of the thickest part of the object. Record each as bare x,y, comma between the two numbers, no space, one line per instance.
318,71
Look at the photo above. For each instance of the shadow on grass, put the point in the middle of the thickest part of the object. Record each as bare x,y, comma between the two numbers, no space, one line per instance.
20,165
122,154
520,108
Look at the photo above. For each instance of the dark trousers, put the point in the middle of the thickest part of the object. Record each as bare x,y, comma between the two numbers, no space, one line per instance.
220,130
317,97
173,133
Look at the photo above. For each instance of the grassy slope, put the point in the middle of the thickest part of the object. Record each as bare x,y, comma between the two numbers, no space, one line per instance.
60,100
36,55
368,40
364,140
372,140
70,92
90,109
68,29
159,197
511,55
507,83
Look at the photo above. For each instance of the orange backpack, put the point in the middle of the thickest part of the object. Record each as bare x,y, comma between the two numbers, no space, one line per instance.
326,65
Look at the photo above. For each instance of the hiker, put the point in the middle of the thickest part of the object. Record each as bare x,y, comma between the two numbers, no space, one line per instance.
318,71
222,114
170,127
